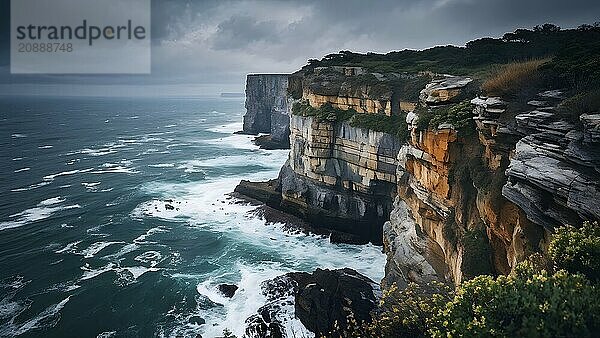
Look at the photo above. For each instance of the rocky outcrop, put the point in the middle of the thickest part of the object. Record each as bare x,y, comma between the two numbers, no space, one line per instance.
355,88
318,300
267,108
445,89
475,192
553,172
340,177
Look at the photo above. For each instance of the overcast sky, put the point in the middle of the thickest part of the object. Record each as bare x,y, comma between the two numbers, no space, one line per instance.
216,43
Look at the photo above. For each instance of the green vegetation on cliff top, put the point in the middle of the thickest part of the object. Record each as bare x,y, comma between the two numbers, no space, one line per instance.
573,51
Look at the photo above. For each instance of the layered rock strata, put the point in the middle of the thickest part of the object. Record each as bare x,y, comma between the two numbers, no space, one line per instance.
466,196
267,109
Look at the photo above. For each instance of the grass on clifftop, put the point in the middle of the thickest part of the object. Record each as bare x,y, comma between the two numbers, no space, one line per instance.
510,79
327,112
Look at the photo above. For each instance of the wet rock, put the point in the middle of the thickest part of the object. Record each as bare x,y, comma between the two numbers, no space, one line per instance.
318,299
270,319
267,142
327,296
228,290
196,320
169,207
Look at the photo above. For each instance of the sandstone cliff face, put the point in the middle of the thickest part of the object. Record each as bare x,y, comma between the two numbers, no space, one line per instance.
341,176
452,202
482,203
267,106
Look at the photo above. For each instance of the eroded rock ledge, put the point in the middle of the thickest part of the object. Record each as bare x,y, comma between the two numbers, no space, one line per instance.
459,198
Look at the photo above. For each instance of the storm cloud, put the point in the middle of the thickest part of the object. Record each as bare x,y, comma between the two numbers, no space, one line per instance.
200,42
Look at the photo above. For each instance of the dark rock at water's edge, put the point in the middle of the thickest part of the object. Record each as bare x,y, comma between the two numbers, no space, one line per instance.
267,142
228,290
196,320
276,210
317,299
329,296
270,319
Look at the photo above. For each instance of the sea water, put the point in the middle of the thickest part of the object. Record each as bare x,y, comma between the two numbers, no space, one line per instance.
88,245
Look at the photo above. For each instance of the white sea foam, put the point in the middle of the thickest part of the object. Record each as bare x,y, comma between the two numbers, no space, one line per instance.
69,248
89,273
47,318
262,158
91,186
95,248
52,201
22,169
18,135
227,128
149,257
137,271
123,251
162,165
45,146
31,187
116,170
142,238
41,211
66,173
237,141
17,158
205,204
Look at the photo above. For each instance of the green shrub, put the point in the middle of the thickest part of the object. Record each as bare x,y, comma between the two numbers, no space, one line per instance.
460,116
424,117
394,124
403,312
526,304
577,250
327,112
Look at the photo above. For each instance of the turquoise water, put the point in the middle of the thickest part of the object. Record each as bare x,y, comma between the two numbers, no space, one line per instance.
87,246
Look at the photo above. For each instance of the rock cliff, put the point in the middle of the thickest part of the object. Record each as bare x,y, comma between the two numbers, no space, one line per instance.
267,108
477,186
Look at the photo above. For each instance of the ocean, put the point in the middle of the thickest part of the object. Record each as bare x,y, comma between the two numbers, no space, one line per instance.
116,219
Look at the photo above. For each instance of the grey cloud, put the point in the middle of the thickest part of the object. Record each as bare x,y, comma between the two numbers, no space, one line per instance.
238,32
221,41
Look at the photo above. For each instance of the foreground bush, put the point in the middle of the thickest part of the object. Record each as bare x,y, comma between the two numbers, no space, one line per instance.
526,304
577,250
531,302
403,313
